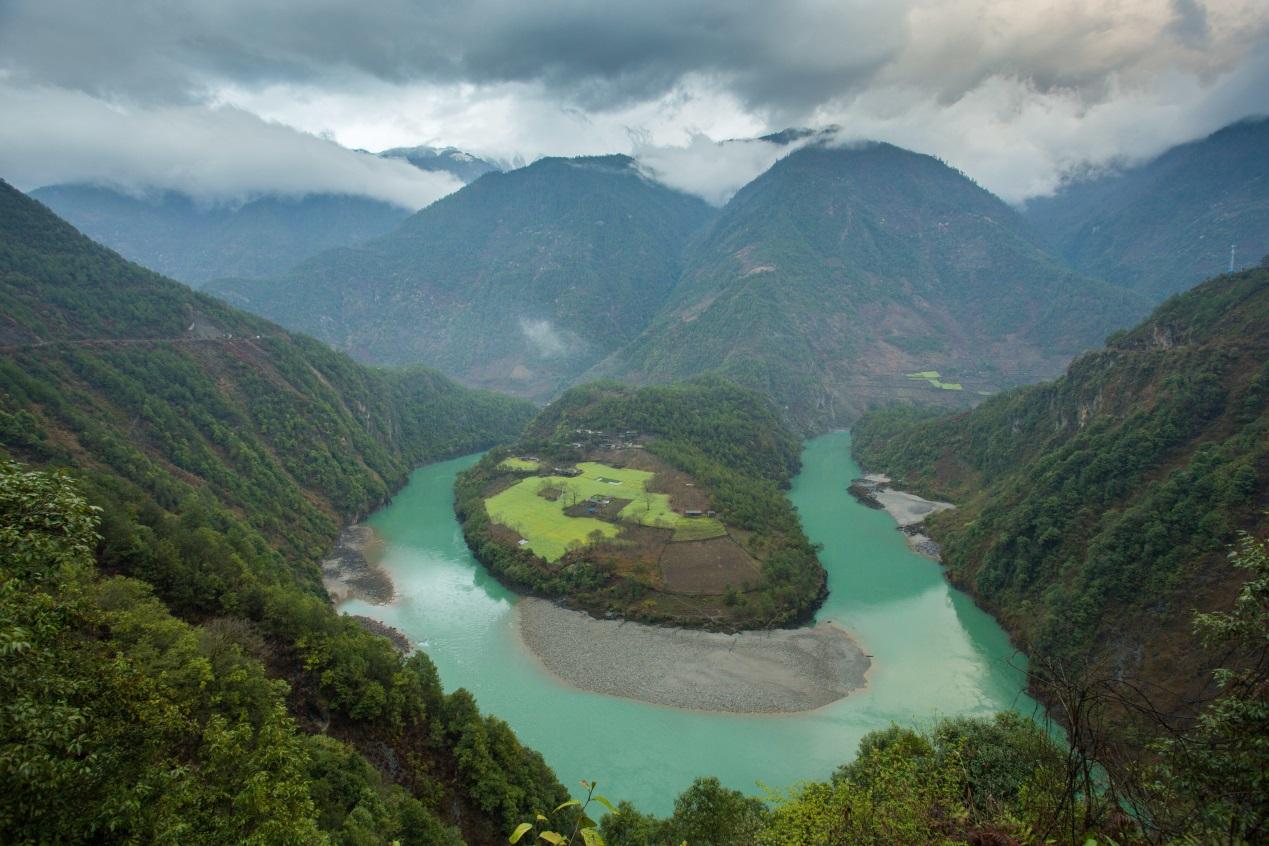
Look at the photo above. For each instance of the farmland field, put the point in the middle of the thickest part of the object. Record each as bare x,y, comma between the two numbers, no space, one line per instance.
520,464
549,531
935,380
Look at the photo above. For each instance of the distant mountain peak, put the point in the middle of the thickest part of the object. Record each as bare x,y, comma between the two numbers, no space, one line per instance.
460,163
519,281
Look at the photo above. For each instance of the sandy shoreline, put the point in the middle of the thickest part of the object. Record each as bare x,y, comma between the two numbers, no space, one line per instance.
782,671
908,510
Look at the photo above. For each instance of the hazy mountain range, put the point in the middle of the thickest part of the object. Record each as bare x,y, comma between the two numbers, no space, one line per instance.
194,241
838,272
519,282
841,278
1169,223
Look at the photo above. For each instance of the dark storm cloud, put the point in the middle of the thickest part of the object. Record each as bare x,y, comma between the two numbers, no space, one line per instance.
1015,92
595,55
784,56
1190,24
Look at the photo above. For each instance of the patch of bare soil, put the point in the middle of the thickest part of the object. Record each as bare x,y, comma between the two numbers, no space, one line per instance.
708,567
396,636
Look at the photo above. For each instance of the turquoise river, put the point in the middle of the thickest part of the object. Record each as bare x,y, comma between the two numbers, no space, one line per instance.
935,653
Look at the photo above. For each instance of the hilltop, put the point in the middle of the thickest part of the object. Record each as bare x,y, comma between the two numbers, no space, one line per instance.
195,242
1159,227
656,504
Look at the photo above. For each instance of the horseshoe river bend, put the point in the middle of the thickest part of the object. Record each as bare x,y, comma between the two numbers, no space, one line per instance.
933,652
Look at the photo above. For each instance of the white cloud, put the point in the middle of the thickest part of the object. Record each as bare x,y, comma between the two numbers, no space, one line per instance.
545,339
1014,92
711,170
223,154
1020,142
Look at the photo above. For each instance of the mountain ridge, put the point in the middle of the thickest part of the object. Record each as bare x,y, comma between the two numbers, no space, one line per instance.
206,460
520,281
1095,512
859,265
1164,225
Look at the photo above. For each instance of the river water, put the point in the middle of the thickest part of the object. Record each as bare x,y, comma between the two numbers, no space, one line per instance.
935,653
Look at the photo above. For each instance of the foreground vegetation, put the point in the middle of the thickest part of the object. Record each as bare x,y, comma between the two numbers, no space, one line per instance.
600,519
175,672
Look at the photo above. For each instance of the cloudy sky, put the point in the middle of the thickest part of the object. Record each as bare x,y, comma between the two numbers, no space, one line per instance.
232,98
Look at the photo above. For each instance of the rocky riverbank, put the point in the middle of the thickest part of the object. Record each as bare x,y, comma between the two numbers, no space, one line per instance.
396,636
780,671
351,570
908,510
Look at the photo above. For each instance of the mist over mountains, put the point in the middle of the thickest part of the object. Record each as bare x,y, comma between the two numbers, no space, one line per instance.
195,239
1165,225
869,403
828,281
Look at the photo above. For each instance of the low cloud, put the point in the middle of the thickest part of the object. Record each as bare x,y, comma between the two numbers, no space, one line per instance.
712,170
1020,142
544,338
218,155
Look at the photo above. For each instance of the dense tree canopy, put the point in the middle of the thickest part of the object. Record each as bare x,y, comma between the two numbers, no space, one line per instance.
215,458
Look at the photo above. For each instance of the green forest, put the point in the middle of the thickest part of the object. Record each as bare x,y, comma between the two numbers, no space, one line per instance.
544,269
171,670
840,269
190,482
1096,515
1096,510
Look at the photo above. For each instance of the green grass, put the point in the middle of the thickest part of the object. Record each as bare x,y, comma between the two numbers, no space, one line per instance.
519,464
550,531
935,379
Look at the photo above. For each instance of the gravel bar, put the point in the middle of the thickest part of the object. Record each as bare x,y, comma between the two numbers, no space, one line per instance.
909,511
350,570
781,671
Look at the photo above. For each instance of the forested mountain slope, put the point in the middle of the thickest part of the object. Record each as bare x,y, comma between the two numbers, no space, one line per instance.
222,456
1096,511
520,281
1163,226
180,237
838,272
